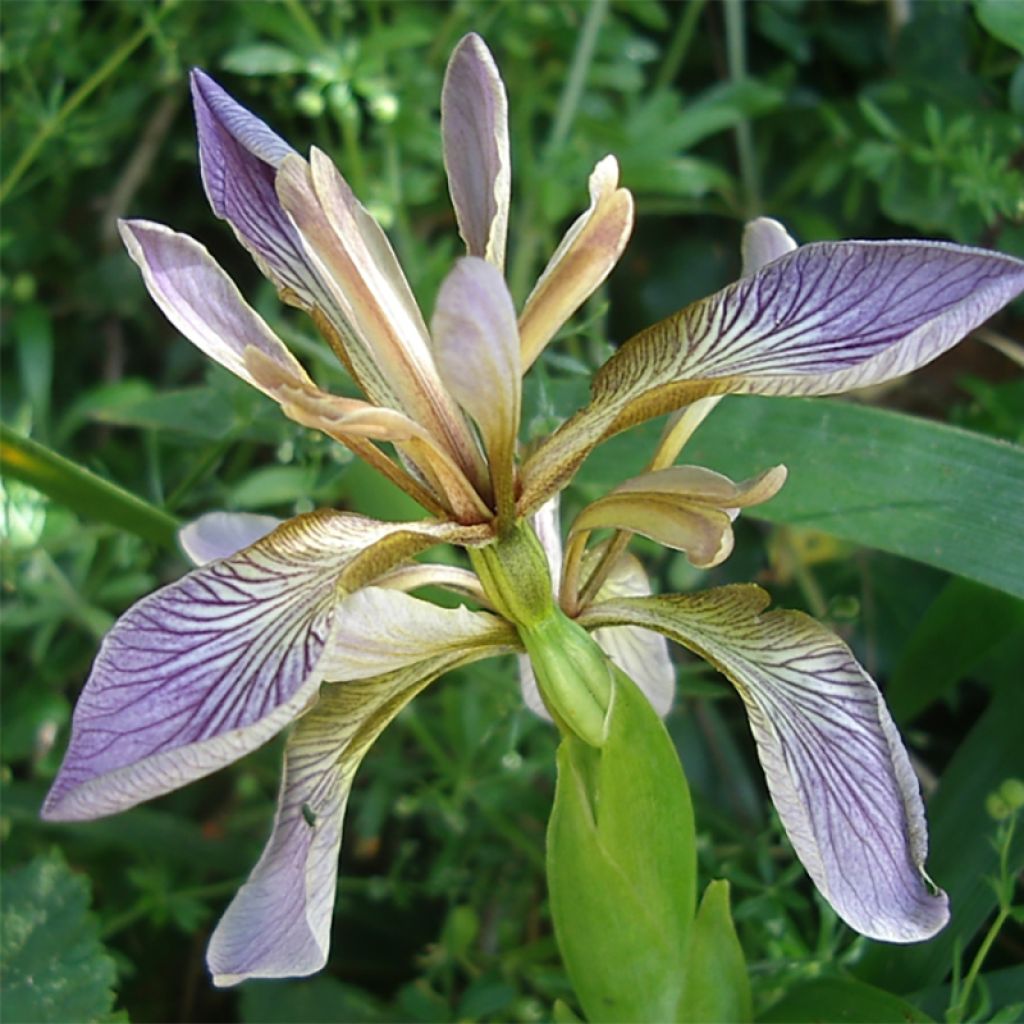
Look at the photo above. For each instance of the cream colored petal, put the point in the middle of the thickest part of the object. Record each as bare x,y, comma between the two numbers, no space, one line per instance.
764,240
584,258
221,534
705,487
381,630
474,126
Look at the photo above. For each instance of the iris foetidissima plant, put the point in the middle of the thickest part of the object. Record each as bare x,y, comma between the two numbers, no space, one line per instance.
311,623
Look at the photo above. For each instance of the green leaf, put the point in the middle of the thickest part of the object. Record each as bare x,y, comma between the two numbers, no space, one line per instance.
833,1000
923,490
962,625
621,865
54,966
1003,19
961,852
81,490
717,987
322,1000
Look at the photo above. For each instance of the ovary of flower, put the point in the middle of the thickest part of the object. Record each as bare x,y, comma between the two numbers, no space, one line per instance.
309,622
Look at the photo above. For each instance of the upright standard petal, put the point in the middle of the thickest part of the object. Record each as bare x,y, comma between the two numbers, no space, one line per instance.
238,159
836,768
584,258
207,669
218,535
278,924
477,347
474,126
764,240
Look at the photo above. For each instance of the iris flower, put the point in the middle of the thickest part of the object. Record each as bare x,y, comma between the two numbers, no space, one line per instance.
311,623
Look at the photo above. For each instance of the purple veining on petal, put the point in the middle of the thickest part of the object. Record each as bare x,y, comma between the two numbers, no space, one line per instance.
238,157
193,676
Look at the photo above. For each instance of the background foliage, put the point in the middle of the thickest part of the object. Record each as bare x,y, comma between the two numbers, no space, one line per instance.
842,119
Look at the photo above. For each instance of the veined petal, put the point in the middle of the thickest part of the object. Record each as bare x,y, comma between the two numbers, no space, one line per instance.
278,925
474,126
764,240
218,535
382,630
584,258
238,159
824,319
836,768
202,301
207,668
477,346
705,487
210,667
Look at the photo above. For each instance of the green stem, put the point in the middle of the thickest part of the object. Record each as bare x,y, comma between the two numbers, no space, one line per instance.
736,54
679,45
77,98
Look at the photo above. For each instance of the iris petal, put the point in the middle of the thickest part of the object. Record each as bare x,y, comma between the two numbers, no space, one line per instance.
835,766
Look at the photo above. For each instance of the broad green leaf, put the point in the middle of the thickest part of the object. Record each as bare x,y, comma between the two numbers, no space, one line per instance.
81,490
832,1000
962,857
54,965
962,625
1003,19
923,490
621,865
321,1000
717,987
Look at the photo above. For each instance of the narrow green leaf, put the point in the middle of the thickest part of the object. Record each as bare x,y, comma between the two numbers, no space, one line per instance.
833,1000
962,625
923,490
81,490
621,865
961,852
717,987
54,965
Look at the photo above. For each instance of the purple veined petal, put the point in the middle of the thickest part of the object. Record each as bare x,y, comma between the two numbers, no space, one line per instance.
474,126
826,318
476,344
278,924
238,158
380,630
208,668
834,762
218,535
764,240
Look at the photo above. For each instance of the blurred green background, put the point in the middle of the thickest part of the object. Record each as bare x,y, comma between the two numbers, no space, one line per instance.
843,119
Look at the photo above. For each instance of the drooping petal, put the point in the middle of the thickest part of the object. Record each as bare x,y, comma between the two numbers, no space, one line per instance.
584,258
474,126
764,240
836,768
206,669
823,319
687,508
210,667
238,158
278,924
218,535
477,347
